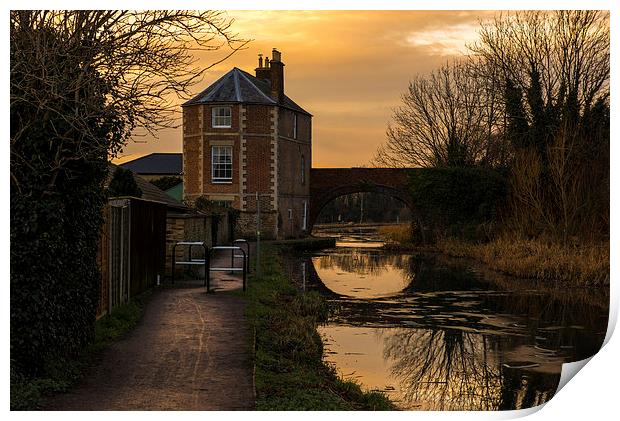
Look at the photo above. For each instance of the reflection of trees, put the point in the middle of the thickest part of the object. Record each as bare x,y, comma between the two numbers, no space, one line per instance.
364,262
445,369
454,370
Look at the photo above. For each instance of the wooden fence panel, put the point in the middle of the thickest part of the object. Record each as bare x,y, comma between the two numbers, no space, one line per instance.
147,245
120,256
103,261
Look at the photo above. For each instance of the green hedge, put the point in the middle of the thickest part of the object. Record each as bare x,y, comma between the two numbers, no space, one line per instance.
456,200
60,138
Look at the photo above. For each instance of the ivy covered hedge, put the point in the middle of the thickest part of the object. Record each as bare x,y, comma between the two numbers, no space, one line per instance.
60,138
455,201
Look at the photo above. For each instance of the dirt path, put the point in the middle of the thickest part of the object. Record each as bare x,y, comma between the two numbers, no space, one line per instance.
191,351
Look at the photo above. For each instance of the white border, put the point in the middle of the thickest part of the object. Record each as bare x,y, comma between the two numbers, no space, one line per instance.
591,395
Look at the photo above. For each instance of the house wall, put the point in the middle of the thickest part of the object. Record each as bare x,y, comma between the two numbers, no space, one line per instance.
198,139
294,189
266,159
192,151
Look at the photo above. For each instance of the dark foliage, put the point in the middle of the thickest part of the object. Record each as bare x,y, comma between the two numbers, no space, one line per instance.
164,183
123,184
454,198
57,175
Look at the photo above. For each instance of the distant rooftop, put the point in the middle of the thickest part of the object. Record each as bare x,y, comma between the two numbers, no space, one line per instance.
238,86
149,190
157,163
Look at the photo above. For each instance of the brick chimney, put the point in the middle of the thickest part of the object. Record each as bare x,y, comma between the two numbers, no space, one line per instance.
263,71
273,72
277,76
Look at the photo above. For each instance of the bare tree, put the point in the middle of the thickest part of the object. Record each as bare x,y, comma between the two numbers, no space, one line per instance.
64,62
569,50
556,65
445,119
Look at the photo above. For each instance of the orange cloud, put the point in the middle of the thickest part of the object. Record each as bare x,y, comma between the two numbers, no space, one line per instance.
348,68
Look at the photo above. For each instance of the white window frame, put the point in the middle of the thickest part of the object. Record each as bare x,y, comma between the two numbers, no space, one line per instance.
217,164
303,170
221,117
294,125
304,225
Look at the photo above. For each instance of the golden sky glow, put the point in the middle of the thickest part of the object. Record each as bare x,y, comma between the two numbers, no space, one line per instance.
347,68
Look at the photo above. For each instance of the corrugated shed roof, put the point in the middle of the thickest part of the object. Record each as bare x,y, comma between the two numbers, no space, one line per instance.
238,86
156,163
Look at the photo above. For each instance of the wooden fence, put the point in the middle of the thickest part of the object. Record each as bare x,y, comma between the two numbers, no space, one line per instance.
132,250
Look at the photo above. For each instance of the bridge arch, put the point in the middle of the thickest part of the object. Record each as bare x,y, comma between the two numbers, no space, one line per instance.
327,184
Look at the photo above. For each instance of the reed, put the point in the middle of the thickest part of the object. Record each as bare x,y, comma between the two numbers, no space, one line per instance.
400,233
551,262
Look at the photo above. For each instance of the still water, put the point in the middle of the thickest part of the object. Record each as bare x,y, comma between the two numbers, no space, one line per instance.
439,334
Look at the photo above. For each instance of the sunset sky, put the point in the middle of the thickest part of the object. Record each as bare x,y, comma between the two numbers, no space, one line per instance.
347,68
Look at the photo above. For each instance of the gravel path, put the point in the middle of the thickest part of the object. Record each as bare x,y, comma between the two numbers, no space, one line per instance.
191,351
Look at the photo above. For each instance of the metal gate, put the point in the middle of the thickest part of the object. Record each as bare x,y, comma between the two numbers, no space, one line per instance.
119,257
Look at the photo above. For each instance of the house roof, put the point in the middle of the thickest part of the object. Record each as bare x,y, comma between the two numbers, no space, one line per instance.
156,163
238,86
149,190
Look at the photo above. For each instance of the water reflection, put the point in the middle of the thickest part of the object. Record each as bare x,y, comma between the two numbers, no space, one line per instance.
362,273
438,335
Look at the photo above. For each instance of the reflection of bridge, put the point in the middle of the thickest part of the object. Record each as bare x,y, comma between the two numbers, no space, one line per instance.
326,184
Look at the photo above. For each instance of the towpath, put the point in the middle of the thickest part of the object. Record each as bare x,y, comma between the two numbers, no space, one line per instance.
190,351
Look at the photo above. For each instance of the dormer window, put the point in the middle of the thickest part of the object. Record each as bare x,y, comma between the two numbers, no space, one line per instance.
221,117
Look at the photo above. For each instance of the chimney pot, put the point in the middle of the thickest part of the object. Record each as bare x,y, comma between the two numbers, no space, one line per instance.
276,55
266,61
260,60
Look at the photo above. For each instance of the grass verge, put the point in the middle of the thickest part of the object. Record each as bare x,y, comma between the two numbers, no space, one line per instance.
290,372
62,373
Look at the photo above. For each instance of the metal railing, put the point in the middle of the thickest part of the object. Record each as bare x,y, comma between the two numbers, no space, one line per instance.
232,268
191,261
242,242
206,262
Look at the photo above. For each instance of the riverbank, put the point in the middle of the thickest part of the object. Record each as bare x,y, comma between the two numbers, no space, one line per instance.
290,373
544,261
547,262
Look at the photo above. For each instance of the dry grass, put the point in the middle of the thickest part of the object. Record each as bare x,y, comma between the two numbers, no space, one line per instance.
544,261
400,233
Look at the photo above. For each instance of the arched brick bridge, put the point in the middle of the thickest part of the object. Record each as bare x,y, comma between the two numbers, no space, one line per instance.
326,184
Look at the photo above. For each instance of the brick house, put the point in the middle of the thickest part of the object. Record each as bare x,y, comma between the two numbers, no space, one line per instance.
241,136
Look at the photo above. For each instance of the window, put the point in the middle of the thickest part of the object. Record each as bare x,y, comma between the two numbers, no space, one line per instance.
221,164
303,170
290,214
304,225
294,126
221,117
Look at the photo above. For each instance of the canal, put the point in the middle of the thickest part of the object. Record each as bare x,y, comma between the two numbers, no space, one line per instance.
436,333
